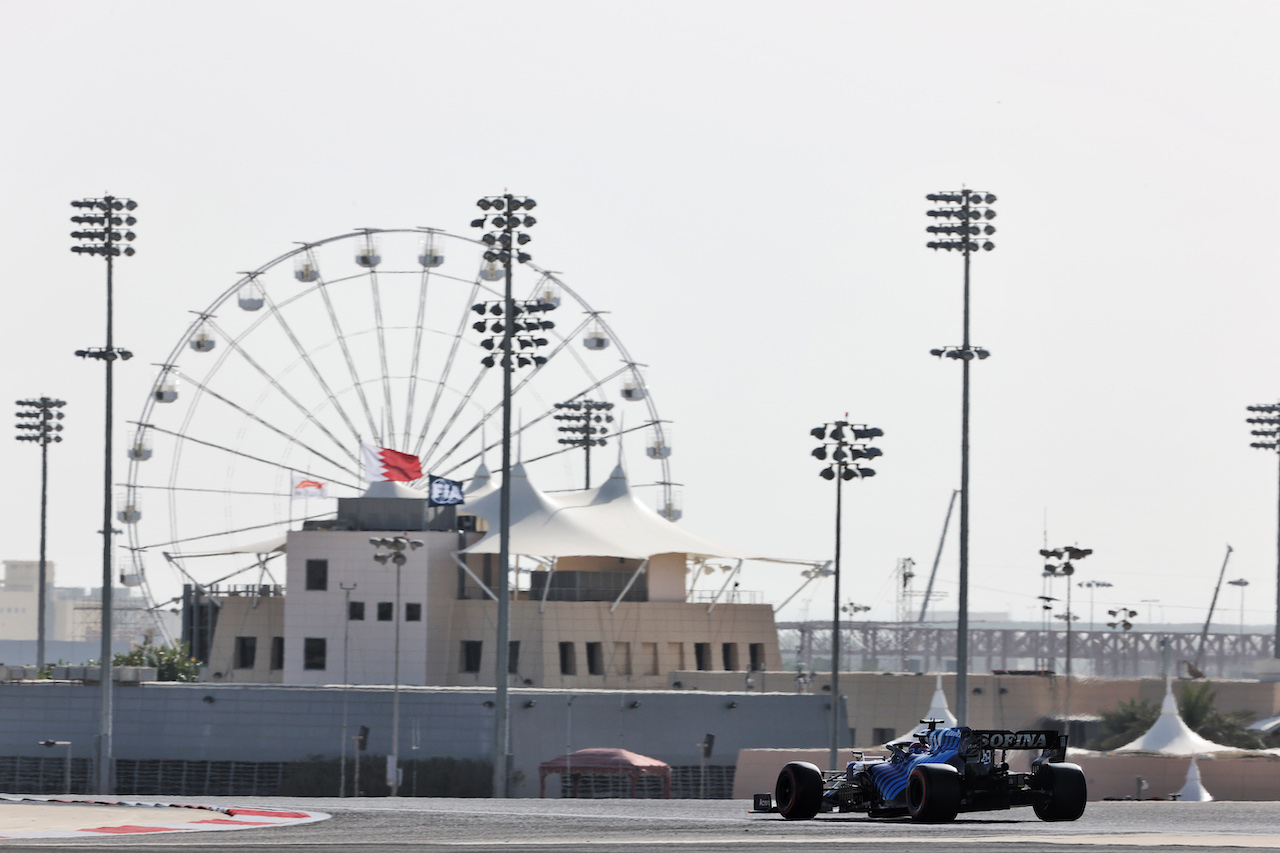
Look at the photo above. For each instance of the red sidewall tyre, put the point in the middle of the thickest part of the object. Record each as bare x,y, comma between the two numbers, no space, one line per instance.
934,792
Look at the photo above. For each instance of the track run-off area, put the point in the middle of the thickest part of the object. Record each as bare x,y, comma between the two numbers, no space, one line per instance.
461,825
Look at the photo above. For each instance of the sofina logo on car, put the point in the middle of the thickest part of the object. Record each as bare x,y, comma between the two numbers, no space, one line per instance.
1013,740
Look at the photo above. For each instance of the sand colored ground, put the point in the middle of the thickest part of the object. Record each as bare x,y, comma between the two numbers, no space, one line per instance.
28,816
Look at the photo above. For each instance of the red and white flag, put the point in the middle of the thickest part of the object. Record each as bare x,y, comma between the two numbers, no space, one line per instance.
381,463
307,488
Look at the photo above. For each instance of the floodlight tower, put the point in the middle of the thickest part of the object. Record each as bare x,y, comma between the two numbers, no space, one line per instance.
845,444
1271,433
504,241
584,419
103,216
1061,566
960,212
42,429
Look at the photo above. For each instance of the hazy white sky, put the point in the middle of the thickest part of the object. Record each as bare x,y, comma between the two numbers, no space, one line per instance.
742,186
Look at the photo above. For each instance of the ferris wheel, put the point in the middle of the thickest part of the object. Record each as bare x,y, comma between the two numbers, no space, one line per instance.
364,337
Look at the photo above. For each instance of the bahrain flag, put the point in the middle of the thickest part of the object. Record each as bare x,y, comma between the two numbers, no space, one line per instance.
381,463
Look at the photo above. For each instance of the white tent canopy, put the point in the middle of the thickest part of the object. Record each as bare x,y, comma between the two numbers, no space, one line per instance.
1170,735
603,522
938,710
1194,791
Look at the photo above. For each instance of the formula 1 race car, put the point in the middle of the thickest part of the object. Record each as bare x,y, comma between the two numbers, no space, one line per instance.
933,778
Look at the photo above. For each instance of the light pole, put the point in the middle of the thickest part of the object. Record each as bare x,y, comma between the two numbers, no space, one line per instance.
1091,586
1061,565
1122,615
504,241
1272,434
396,547
103,216
42,430
583,419
346,684
959,215
1241,583
844,444
66,778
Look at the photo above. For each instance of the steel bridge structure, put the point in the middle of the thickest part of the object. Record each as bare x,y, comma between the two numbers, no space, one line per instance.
925,647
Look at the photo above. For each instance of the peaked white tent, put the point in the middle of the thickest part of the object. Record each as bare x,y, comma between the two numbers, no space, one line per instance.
1170,735
608,521
1194,791
480,485
938,710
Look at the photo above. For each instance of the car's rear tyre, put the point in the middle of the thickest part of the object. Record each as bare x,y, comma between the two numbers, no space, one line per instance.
1064,792
799,791
934,792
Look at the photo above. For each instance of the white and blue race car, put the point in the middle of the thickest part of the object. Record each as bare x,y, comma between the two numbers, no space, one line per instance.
936,776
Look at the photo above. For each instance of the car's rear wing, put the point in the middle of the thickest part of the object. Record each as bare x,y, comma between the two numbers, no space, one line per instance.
1053,745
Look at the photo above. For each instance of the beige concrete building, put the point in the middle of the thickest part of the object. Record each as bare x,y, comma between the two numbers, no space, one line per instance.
19,589
609,611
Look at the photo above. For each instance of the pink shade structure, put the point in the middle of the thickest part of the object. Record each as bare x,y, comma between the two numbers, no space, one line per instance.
606,760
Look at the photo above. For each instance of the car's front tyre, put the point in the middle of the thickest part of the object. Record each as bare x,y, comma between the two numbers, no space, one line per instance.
799,791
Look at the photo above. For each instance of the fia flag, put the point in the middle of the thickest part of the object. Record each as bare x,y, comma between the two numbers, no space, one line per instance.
444,492
305,488
381,463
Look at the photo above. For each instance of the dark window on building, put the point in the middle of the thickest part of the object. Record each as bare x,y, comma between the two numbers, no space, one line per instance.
277,652
757,657
729,654
471,655
568,659
513,656
355,611
246,652
318,574
595,658
413,612
386,611
879,735
313,653
702,656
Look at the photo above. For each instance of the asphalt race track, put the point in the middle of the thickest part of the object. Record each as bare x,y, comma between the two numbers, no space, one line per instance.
717,826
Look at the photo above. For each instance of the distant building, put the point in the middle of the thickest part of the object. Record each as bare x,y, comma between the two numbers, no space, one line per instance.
72,614
600,600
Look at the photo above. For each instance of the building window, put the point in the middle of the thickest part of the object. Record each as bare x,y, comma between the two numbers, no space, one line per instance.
757,657
413,612
729,652
595,658
471,655
246,651
568,659
622,658
649,658
702,656
386,611
313,653
676,651
277,652
317,575
355,611
881,735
